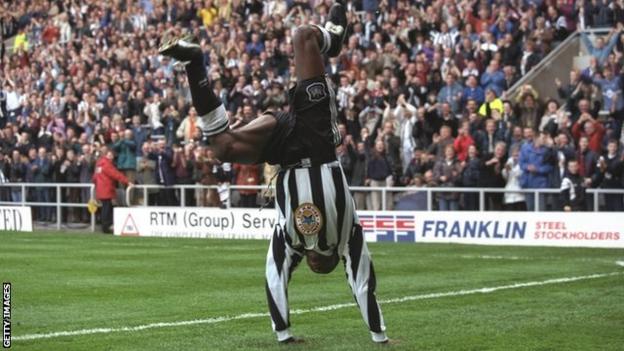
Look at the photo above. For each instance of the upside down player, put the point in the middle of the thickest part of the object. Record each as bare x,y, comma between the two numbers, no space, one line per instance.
316,214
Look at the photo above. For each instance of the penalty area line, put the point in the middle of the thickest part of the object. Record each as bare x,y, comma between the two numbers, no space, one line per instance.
214,320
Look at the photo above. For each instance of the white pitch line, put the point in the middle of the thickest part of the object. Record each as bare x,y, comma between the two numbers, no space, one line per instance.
215,320
490,257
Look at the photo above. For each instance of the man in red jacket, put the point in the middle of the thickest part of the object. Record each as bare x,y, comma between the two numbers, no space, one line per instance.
105,179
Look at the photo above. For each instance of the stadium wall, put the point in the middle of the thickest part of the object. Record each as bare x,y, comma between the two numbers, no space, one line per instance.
483,228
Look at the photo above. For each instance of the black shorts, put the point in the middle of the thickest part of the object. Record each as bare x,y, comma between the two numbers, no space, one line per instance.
309,130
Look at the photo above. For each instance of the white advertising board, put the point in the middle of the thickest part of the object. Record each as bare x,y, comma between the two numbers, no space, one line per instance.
15,218
578,229
194,222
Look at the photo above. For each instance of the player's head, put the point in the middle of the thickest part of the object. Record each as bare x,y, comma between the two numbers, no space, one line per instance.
320,263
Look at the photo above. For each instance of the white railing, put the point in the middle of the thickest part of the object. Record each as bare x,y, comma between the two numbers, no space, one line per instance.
430,193
57,203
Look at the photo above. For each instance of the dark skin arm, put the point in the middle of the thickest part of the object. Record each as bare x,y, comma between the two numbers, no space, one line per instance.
245,144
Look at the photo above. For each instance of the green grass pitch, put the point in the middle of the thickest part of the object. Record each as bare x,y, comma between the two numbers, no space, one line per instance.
70,282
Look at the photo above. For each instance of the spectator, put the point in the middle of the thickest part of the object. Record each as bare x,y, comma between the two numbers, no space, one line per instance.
358,174
146,175
206,167
573,189
550,121
529,108
491,175
105,178
587,161
493,78
440,143
86,164
17,174
451,93
392,147
125,149
486,140
492,105
567,90
512,174
379,173
612,99
406,113
247,175
471,174
140,133
165,176
473,91
418,165
369,117
609,176
447,173
535,170
588,127
529,57
561,153
41,169
601,50
183,169
463,142
189,129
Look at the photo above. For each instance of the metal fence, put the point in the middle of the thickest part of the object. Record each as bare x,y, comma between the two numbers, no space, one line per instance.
26,194
386,193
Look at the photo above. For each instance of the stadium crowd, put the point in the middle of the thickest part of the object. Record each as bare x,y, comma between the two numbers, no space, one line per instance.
420,90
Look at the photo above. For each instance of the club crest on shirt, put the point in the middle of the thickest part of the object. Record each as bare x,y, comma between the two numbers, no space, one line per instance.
308,219
316,91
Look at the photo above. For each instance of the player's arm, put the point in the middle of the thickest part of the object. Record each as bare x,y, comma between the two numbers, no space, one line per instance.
245,144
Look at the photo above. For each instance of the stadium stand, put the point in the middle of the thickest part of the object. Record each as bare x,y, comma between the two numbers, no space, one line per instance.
426,91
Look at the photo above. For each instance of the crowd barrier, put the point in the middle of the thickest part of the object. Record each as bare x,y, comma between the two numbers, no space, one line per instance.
226,190
24,195
54,197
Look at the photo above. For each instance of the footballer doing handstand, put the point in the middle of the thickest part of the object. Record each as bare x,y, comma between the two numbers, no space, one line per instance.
316,213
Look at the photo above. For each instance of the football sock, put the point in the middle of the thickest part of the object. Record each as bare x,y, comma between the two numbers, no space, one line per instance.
209,107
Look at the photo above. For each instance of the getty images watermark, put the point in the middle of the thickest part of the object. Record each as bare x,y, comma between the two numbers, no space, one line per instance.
6,315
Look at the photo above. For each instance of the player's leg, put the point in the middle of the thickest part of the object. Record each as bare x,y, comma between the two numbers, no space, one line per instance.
281,261
311,41
243,145
361,278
